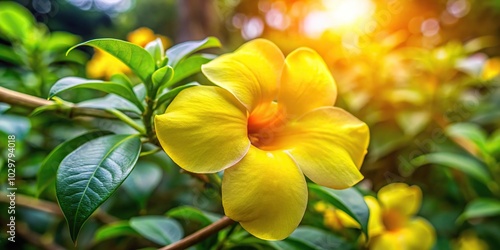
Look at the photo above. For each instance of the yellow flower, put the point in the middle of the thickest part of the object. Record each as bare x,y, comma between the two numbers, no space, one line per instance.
335,218
491,68
104,65
393,224
268,122
469,241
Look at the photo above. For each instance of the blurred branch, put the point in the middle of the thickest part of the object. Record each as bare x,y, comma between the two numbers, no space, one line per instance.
32,102
36,239
200,235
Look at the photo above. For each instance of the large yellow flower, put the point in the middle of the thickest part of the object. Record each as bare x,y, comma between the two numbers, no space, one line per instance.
393,224
268,121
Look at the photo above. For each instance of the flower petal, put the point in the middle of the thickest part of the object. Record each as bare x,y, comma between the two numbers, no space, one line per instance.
375,224
417,235
306,83
266,192
251,73
400,197
204,130
328,144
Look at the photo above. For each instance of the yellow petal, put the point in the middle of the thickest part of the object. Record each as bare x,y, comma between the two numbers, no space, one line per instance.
401,198
266,192
204,130
306,83
491,68
418,235
346,220
251,73
375,225
328,144
388,241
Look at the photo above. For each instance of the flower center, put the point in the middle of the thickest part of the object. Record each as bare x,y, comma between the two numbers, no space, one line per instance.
393,220
263,124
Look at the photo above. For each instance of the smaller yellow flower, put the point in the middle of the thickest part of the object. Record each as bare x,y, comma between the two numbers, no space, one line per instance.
491,68
469,241
142,36
334,218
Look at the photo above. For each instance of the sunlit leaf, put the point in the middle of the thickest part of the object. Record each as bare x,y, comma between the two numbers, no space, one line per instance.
48,170
158,229
348,200
162,76
470,132
155,49
134,56
15,21
116,102
113,230
89,175
193,214
481,207
189,66
182,50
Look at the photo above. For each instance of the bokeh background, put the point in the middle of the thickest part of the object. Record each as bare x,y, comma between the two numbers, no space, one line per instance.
423,75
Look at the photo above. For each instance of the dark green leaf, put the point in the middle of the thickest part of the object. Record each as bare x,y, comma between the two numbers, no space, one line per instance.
168,96
189,66
137,187
481,207
318,239
116,229
182,50
15,21
193,214
465,164
90,174
134,56
48,170
348,200
158,229
162,76
68,83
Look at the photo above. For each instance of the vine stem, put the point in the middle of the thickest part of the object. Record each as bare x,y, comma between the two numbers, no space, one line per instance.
200,235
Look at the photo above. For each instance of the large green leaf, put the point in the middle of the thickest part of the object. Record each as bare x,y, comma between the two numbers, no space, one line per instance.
48,170
134,56
171,94
116,229
193,214
15,21
482,207
189,66
162,76
182,50
120,89
465,164
317,239
348,200
117,102
90,174
158,229
139,189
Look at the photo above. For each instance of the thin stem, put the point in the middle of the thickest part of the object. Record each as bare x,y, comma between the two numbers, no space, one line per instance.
154,151
200,235
124,118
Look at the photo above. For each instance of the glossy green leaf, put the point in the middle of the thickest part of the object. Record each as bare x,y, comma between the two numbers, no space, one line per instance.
189,66
470,132
68,83
348,200
182,50
162,76
116,102
193,214
90,174
482,207
155,49
317,239
170,95
48,170
134,56
290,244
158,229
113,230
136,186
15,21
465,164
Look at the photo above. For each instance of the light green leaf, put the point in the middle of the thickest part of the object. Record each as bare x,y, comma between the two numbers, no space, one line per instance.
193,214
465,164
155,49
470,132
482,207
170,95
158,229
117,102
348,200
162,76
89,175
15,21
182,50
7,54
134,56
16,125
68,83
60,41
189,66
48,170
113,230
137,187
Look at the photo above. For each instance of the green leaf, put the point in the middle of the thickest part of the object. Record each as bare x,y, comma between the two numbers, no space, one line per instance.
348,200
48,170
155,49
7,54
137,187
16,22
158,229
116,102
170,95
189,66
162,76
4,107
113,230
193,214
317,239
134,56
481,207
68,83
470,132
60,41
182,50
16,125
493,143
465,164
89,175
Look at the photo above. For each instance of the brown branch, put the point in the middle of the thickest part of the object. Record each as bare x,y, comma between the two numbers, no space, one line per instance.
32,102
200,235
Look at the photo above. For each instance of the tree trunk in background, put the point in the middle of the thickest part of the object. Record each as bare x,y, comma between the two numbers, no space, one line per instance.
197,20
